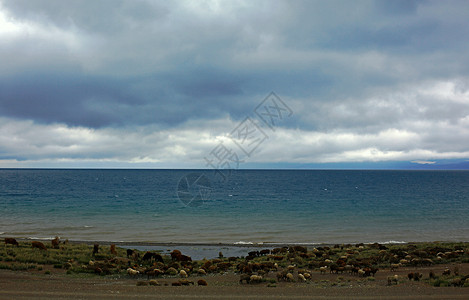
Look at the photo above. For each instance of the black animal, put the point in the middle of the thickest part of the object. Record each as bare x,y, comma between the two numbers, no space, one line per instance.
11,241
153,256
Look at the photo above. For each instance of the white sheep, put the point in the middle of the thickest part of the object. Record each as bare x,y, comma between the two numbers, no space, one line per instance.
395,266
255,278
301,277
323,269
132,272
201,271
183,274
290,277
361,272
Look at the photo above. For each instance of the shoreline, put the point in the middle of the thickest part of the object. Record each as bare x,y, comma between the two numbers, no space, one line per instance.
234,244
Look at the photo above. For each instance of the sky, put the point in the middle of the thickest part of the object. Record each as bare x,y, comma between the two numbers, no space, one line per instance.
173,84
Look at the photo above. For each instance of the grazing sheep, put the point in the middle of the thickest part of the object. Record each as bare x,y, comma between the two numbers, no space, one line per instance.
307,275
447,272
264,252
202,282
289,277
11,241
348,268
153,273
130,253
154,282
323,269
301,277
457,282
298,249
55,243
361,272
95,249
403,261
223,266
282,250
415,276
113,249
175,254
132,272
255,279
201,271
254,253
410,276
152,256
291,268
372,271
186,282
38,245
282,275
183,274
427,262
395,267
393,279
244,277
336,269
171,271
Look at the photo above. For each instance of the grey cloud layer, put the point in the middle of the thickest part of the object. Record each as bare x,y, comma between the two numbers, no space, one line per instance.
356,68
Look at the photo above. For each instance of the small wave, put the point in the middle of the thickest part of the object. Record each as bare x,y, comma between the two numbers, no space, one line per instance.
393,242
40,238
1,232
243,243
88,226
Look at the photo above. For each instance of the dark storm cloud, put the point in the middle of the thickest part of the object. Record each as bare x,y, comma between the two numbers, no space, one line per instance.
365,79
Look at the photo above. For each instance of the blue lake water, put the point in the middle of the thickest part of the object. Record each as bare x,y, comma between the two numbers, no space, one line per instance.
258,206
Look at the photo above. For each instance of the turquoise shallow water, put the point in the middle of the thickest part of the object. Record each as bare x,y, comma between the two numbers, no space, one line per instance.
259,206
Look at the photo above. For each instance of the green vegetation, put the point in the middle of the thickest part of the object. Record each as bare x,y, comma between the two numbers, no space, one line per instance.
78,260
